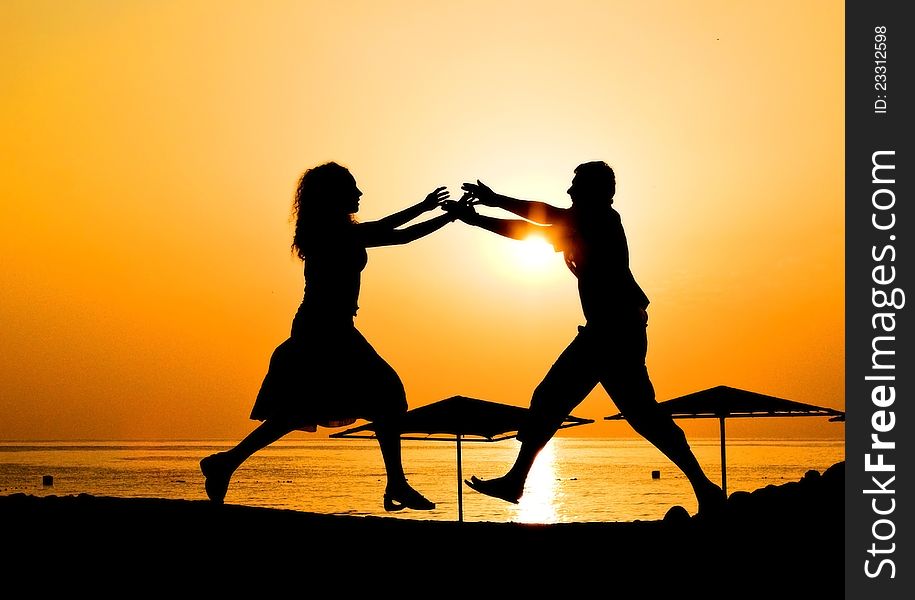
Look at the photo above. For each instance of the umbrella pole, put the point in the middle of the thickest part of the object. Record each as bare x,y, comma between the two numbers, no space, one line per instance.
459,481
724,460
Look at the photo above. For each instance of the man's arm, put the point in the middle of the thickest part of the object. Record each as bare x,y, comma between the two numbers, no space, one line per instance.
515,229
532,210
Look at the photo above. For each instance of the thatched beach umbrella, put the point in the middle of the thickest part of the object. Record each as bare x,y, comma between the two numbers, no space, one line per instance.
722,402
458,419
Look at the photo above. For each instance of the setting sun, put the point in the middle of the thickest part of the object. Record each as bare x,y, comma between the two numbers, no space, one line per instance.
534,254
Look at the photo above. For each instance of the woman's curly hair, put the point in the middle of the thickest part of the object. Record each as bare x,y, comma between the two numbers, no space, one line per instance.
315,208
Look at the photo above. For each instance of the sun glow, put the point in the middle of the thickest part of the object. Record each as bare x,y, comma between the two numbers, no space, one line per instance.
529,261
534,253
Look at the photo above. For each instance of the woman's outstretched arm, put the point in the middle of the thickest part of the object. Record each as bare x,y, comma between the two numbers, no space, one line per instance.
431,201
384,232
393,237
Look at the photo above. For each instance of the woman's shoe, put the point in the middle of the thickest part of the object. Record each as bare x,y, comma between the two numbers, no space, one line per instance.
216,478
406,498
390,505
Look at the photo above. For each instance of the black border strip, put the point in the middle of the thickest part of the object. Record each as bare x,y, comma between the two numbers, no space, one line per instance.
878,260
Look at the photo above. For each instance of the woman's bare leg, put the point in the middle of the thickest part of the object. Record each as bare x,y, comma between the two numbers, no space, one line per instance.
398,493
218,468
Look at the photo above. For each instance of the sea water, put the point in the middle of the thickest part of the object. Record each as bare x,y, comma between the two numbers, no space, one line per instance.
573,479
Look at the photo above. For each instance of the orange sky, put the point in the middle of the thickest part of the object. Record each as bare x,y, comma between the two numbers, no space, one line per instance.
150,151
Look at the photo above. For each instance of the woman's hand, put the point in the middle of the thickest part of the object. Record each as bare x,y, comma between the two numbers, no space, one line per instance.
480,192
435,198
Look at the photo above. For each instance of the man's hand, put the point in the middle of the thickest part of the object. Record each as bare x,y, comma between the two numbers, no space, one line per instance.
480,192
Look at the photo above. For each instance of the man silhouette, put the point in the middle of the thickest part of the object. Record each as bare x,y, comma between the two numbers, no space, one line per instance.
610,348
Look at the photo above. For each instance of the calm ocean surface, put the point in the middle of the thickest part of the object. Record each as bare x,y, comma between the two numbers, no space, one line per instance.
574,479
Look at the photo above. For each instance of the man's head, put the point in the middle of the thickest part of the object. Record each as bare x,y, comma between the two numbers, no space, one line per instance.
593,184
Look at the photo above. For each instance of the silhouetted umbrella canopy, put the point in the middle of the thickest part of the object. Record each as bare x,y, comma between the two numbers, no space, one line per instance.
457,419
460,415
724,402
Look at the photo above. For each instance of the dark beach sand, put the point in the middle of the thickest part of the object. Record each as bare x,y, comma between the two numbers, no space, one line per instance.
786,540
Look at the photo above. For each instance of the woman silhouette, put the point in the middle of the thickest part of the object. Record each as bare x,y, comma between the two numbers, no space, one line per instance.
326,373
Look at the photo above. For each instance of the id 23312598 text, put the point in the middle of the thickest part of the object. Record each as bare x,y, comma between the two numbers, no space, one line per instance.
880,64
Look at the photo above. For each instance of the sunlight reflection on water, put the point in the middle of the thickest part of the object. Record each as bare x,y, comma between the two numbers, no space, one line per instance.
538,504
573,479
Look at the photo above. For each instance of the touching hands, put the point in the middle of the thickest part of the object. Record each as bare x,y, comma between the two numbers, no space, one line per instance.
461,209
474,193
479,192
